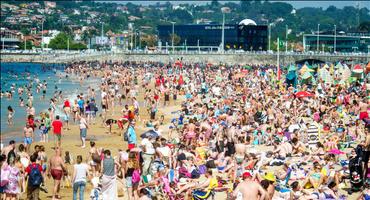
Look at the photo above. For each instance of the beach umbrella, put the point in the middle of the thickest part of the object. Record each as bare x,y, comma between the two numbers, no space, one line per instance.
358,69
244,71
306,75
302,94
247,67
292,68
313,135
338,66
150,133
291,75
325,75
305,69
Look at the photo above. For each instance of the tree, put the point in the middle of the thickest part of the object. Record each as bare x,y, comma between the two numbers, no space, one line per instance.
215,3
149,40
28,45
176,39
61,42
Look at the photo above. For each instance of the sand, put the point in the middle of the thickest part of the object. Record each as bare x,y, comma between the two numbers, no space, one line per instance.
71,142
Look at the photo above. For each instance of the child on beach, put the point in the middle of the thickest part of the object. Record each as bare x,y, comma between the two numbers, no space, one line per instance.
68,161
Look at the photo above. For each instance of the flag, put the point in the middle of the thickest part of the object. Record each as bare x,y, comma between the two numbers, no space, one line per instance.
278,73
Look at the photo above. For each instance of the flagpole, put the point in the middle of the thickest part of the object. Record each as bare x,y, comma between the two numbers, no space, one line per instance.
278,57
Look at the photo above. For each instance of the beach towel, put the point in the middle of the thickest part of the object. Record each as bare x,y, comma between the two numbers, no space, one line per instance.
109,188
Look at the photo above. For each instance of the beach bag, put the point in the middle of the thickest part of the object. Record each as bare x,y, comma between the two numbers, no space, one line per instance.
96,158
136,176
5,173
35,178
125,136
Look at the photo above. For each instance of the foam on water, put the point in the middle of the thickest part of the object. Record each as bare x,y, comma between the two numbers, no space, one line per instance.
21,74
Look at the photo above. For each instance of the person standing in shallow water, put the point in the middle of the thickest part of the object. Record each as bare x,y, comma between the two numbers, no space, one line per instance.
10,115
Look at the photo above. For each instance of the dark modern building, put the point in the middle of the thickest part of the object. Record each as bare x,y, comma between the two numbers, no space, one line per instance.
351,42
246,35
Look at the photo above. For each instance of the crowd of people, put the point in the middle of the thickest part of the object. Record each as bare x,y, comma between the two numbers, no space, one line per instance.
222,131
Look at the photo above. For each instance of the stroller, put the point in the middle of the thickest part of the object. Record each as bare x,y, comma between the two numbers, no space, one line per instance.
356,171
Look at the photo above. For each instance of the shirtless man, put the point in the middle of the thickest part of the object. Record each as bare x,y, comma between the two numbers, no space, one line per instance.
363,110
5,151
240,149
56,169
249,189
284,149
28,136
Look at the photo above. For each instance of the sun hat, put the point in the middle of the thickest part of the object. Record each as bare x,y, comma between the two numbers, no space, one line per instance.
270,176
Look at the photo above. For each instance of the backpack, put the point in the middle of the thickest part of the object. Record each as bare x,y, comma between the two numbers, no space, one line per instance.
136,176
35,177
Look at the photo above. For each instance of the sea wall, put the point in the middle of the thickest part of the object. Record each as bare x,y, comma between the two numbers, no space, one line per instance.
214,58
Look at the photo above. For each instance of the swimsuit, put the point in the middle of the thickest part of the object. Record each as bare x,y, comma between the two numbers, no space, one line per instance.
56,174
27,140
239,159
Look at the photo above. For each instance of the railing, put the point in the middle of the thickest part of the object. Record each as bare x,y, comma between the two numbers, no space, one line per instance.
62,54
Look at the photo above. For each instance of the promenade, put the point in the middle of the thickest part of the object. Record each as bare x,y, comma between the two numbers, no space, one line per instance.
202,57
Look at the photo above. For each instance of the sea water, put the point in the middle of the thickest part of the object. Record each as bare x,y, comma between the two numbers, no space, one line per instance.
20,74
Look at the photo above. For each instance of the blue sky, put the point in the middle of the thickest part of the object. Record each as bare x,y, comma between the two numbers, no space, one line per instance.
296,4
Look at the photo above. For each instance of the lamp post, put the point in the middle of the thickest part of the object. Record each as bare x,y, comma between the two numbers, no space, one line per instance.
286,38
269,30
42,35
335,38
173,35
318,37
223,32
224,10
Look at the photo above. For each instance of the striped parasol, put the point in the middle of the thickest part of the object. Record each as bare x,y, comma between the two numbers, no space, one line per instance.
313,135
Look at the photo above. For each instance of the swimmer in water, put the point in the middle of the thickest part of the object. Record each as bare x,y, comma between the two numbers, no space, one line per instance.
21,102
10,115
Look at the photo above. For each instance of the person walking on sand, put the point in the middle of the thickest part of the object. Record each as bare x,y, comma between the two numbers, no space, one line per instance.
131,134
35,178
28,137
56,170
57,130
83,130
109,182
79,178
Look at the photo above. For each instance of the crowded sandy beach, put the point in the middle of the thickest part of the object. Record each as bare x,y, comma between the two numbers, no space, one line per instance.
184,130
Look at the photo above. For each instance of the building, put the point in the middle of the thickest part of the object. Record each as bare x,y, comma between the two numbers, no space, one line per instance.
10,39
246,35
351,42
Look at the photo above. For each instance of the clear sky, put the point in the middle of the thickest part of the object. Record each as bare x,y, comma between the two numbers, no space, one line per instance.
296,4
